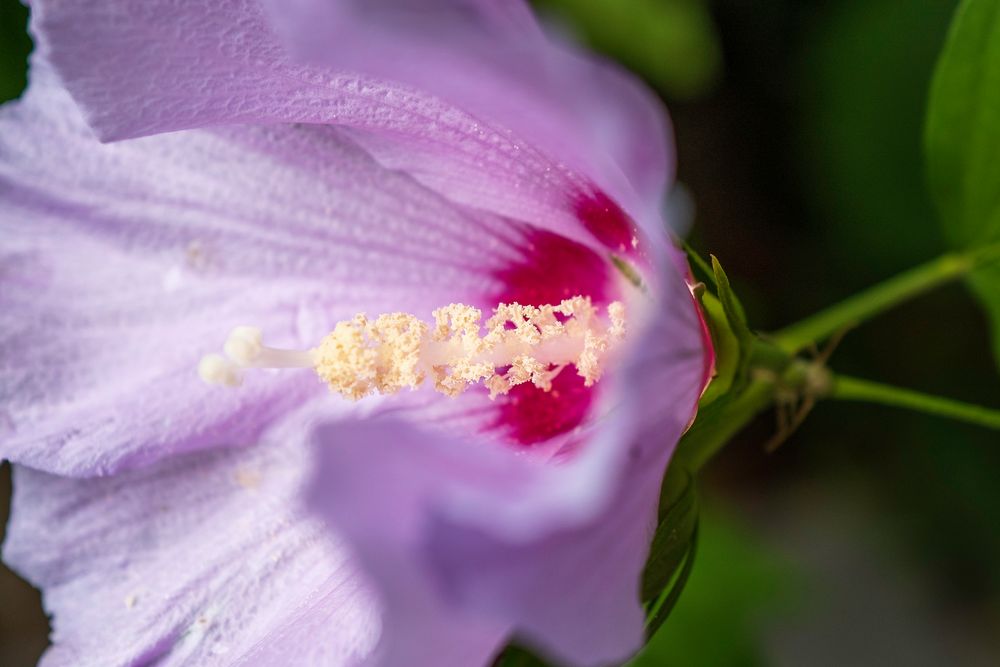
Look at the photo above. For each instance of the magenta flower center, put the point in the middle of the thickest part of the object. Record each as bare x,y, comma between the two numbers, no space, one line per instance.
555,268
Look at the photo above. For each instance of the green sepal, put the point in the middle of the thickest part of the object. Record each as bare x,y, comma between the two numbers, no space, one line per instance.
727,349
699,267
732,307
723,313
731,398
720,421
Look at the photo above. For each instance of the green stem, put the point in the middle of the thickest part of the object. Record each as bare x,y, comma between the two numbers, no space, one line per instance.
881,297
854,389
720,421
773,362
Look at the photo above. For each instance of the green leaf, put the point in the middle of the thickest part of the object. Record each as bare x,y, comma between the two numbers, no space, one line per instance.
671,553
985,282
515,655
865,67
664,605
671,43
14,48
962,142
736,583
678,512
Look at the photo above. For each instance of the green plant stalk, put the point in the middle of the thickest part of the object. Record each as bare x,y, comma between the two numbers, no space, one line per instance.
854,389
871,302
865,305
720,421
773,362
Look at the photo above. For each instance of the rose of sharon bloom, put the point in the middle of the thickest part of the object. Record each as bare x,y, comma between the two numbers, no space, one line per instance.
286,166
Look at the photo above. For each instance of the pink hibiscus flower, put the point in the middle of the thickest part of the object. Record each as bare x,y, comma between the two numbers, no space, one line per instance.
287,166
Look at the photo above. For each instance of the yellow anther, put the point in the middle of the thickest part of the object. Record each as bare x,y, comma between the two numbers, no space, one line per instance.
517,345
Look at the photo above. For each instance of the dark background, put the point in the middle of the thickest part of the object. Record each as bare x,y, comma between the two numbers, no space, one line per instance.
872,537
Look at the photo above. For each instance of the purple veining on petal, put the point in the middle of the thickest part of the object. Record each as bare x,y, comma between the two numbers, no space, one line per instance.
191,559
129,261
572,121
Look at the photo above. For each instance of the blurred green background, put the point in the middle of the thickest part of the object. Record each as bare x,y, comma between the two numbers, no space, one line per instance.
872,537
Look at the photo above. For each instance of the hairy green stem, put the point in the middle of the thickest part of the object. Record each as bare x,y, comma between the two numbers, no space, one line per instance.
881,297
774,366
870,302
720,421
854,389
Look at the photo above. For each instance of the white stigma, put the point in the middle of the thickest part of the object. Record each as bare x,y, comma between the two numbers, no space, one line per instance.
244,345
361,357
216,369
245,349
